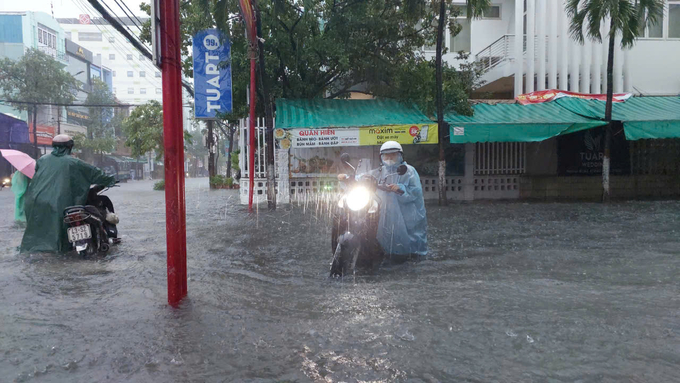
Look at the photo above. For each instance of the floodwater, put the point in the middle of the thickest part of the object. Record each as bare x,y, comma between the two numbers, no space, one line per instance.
512,292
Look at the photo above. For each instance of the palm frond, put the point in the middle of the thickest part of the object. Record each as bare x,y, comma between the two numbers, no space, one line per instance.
476,8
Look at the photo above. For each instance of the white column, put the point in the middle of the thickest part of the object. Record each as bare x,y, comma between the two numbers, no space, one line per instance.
586,60
519,47
597,69
553,14
575,52
618,65
531,54
540,36
627,72
564,48
283,165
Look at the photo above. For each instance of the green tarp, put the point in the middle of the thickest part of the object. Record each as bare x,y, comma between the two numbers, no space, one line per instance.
516,123
642,117
325,113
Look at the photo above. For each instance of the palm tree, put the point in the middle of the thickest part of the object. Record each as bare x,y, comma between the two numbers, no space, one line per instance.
625,18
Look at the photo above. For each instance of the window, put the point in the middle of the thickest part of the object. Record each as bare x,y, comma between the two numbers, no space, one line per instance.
129,73
129,57
461,42
142,91
158,91
493,12
131,90
158,74
89,36
112,56
652,30
112,39
674,20
142,73
47,37
99,56
113,73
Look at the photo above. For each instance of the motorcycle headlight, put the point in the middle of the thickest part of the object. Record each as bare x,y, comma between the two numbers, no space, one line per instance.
6,180
358,198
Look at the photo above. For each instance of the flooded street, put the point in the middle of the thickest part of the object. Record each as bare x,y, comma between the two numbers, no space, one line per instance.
511,292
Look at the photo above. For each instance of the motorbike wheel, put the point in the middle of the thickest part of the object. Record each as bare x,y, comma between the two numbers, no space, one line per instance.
344,262
104,248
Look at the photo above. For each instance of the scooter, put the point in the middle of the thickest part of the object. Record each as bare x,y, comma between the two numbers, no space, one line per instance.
355,222
91,228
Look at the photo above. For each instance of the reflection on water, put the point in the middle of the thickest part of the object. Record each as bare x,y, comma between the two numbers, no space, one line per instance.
511,292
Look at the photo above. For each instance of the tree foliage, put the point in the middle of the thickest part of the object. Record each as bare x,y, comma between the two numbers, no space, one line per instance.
144,130
36,77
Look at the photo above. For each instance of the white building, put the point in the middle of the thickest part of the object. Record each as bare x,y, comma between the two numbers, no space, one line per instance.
135,79
555,60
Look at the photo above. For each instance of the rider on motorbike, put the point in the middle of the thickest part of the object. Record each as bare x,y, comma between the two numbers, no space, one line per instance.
60,181
402,229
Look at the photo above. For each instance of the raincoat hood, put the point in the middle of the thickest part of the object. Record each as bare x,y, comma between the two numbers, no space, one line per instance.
61,150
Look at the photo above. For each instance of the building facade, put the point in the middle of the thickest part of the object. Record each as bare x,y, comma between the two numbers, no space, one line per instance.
554,60
134,78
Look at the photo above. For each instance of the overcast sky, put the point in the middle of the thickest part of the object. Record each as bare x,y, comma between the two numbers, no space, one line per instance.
68,8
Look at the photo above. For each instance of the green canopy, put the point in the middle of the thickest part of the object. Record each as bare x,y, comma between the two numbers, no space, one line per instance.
332,113
642,117
516,123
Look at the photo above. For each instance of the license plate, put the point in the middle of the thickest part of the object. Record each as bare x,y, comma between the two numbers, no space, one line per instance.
79,233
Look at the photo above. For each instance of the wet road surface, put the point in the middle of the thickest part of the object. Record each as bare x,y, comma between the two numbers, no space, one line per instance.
512,292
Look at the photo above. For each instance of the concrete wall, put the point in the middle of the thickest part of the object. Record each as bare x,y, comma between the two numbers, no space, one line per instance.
590,188
654,67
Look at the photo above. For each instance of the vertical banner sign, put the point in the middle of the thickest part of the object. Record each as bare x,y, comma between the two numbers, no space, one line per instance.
212,74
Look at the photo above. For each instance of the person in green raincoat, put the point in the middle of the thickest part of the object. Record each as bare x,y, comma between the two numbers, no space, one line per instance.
19,185
60,181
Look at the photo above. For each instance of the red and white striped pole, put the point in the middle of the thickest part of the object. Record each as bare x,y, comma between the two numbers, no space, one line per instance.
173,141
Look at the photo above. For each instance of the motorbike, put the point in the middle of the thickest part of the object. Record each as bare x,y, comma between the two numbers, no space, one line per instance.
6,182
356,220
91,228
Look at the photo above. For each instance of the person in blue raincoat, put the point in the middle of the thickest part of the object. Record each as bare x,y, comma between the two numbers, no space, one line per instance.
403,219
60,181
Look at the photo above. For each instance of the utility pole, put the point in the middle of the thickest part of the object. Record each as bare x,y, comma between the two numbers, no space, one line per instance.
173,141
211,149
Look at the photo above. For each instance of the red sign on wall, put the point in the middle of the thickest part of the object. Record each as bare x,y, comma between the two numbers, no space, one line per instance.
84,19
45,134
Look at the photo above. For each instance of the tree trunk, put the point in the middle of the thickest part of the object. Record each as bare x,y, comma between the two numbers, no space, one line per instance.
211,153
58,119
269,121
608,115
231,145
35,132
440,106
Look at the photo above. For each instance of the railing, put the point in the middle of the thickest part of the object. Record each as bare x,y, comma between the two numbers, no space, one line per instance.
497,52
502,50
59,55
500,158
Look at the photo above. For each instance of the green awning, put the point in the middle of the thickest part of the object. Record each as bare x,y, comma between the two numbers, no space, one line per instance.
516,123
327,113
642,117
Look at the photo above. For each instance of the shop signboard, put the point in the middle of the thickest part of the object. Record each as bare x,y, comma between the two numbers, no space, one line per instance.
355,136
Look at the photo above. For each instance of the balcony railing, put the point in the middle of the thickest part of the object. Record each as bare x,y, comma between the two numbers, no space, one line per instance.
503,50
59,55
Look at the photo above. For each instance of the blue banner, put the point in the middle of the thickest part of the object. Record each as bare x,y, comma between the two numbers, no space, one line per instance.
212,74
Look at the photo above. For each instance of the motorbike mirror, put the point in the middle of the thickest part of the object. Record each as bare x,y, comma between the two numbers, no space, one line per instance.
345,160
402,169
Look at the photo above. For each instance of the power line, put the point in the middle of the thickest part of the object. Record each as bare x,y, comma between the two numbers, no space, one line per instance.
132,13
127,15
64,104
133,40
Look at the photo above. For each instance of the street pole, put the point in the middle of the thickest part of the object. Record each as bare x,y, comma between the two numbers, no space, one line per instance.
173,141
211,147
251,131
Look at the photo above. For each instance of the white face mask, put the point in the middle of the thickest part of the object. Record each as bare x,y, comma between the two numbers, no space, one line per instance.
389,162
